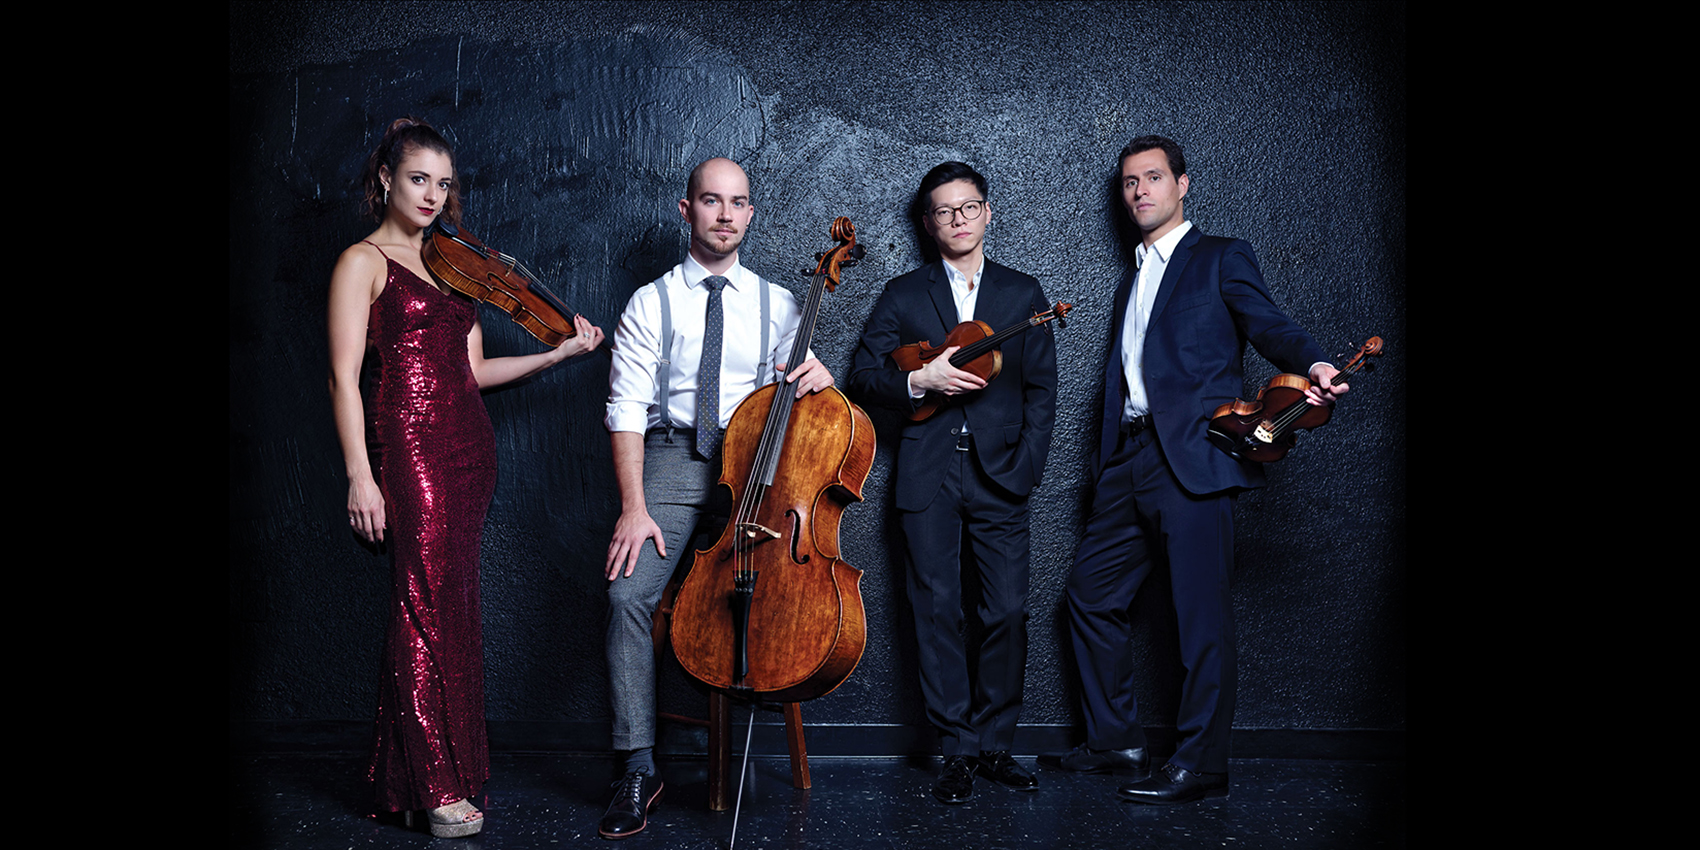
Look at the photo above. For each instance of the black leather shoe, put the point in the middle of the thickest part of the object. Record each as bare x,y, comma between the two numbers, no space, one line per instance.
634,795
1174,784
1083,759
1003,769
956,781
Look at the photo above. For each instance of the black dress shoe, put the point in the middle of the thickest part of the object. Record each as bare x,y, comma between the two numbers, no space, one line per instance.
1001,768
1174,784
634,795
1084,759
956,781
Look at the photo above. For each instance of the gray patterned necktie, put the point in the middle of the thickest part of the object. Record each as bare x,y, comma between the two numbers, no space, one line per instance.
708,370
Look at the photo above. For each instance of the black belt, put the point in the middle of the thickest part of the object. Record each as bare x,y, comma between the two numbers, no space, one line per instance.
1136,424
962,439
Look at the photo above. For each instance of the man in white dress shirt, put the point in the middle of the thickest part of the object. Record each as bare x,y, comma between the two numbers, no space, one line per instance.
1163,494
666,454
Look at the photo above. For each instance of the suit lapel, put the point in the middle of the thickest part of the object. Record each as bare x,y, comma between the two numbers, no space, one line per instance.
995,306
1172,272
939,289
1118,321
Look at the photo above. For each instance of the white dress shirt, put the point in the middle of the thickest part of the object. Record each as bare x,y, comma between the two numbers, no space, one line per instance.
966,293
637,346
1152,261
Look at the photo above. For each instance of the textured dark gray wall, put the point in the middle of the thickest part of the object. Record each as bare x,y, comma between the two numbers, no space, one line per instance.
575,125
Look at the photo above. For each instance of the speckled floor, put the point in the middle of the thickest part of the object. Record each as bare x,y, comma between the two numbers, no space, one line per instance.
314,801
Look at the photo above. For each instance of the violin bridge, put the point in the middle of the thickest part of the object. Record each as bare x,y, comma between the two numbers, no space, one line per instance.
1265,432
752,529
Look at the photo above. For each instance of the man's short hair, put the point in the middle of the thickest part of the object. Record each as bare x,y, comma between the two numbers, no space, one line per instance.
946,172
1170,148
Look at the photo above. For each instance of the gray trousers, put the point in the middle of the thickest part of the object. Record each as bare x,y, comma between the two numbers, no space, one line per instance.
678,487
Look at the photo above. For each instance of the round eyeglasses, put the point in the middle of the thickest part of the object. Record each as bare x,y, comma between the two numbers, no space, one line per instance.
970,211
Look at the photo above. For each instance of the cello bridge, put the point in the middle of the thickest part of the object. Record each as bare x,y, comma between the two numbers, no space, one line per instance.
752,529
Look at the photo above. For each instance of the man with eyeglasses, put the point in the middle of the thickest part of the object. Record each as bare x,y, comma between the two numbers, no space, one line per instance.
969,467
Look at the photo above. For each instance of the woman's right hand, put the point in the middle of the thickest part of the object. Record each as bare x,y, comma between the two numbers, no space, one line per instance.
366,509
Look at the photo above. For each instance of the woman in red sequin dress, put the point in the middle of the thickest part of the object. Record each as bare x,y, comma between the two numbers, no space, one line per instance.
421,461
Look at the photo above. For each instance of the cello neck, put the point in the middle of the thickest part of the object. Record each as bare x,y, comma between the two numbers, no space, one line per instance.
824,277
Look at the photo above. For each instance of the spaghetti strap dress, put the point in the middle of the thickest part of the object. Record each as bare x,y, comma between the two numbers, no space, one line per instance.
433,454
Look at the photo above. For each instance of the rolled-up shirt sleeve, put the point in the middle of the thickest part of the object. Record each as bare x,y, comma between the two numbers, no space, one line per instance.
637,352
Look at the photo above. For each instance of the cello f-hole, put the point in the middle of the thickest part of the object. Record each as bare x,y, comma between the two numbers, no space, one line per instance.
796,534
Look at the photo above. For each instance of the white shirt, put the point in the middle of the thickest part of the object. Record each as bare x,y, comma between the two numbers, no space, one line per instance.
637,346
1152,261
966,293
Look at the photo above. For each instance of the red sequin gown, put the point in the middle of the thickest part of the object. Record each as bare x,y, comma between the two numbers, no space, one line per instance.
434,456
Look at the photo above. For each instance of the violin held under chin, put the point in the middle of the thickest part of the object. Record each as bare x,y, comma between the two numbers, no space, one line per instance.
466,265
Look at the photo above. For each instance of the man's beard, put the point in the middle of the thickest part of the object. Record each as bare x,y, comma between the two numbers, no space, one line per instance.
713,246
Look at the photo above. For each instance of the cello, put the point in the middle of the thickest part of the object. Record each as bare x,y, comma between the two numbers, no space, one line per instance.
770,611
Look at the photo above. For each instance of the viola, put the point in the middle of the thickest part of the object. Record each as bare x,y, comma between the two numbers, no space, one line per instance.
771,611
979,354
456,257
1263,431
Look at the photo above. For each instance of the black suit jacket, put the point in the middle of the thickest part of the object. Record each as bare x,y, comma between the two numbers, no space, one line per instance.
1211,302
1010,419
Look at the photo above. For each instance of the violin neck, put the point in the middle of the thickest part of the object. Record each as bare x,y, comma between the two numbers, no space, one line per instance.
974,350
1350,370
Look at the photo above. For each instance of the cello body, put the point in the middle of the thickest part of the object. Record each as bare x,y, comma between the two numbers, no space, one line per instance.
771,611
806,624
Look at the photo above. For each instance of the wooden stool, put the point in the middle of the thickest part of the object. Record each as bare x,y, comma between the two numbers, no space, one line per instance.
719,720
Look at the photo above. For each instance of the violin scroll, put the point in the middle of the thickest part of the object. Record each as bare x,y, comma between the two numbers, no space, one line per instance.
1370,348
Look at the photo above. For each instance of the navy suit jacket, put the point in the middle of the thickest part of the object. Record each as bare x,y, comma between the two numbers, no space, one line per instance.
1010,418
1211,302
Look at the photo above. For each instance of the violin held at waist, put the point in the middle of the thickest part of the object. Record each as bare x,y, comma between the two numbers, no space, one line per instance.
1263,431
978,351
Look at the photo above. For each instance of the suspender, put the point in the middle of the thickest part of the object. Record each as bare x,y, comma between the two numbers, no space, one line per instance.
663,363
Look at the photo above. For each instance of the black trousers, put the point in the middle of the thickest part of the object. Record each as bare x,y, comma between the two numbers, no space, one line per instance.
1142,519
978,715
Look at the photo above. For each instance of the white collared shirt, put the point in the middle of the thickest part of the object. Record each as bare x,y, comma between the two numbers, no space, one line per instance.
966,293
1152,262
963,290
631,393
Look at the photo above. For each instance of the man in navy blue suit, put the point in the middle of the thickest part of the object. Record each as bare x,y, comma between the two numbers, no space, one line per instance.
1164,493
969,468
